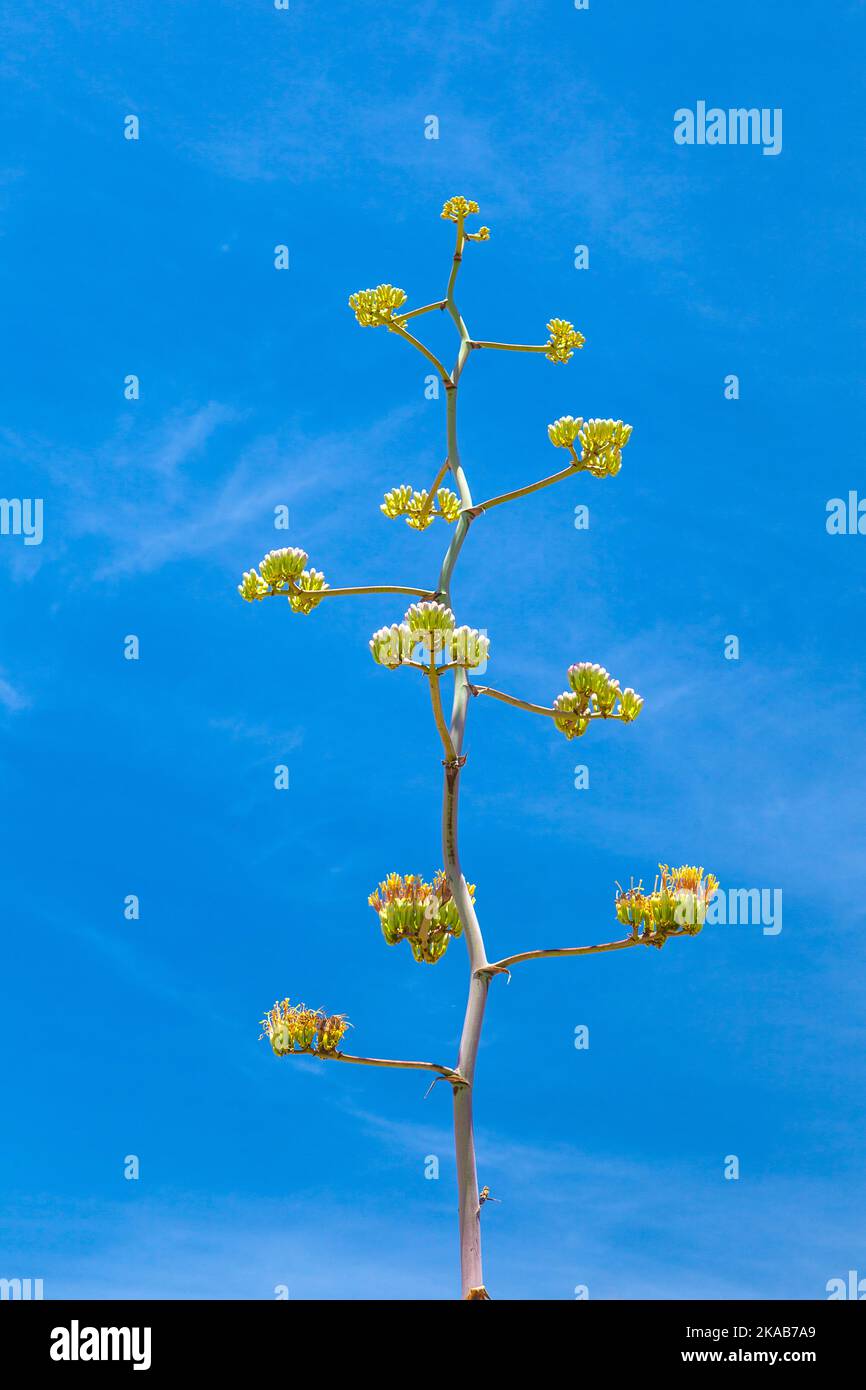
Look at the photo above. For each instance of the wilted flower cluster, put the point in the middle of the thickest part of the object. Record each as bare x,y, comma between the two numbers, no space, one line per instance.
405,501
677,905
429,628
421,913
373,308
601,441
295,1028
594,694
564,338
277,573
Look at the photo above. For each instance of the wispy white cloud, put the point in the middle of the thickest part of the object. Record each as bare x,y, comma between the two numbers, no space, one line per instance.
11,698
181,490
631,1234
565,1217
263,736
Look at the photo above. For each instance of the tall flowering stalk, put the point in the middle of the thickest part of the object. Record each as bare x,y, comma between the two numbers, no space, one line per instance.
428,640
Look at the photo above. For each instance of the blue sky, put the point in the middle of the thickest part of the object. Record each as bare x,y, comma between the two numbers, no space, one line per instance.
155,777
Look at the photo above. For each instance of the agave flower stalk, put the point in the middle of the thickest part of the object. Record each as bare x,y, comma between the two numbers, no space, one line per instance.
428,916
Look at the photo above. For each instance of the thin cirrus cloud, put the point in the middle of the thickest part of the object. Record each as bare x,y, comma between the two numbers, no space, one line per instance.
11,698
179,490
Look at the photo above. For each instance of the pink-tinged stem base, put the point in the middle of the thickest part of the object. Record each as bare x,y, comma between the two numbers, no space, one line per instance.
464,1141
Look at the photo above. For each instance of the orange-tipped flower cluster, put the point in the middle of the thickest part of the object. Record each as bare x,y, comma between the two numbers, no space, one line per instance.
424,914
677,905
295,1028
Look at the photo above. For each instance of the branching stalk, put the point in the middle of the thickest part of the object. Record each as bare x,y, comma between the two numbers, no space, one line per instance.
499,966
447,1072
524,491
439,715
605,439
443,371
413,313
512,347
297,592
565,715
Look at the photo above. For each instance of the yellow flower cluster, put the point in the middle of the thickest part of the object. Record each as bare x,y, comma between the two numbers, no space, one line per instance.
677,905
313,585
594,694
564,338
424,914
373,308
601,441
295,1028
405,501
563,432
430,627
282,572
457,208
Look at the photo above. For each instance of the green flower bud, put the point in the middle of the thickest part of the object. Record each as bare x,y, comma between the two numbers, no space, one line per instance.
630,705
280,566
467,647
597,689
575,707
429,616
430,624
312,582
252,586
391,645
564,431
